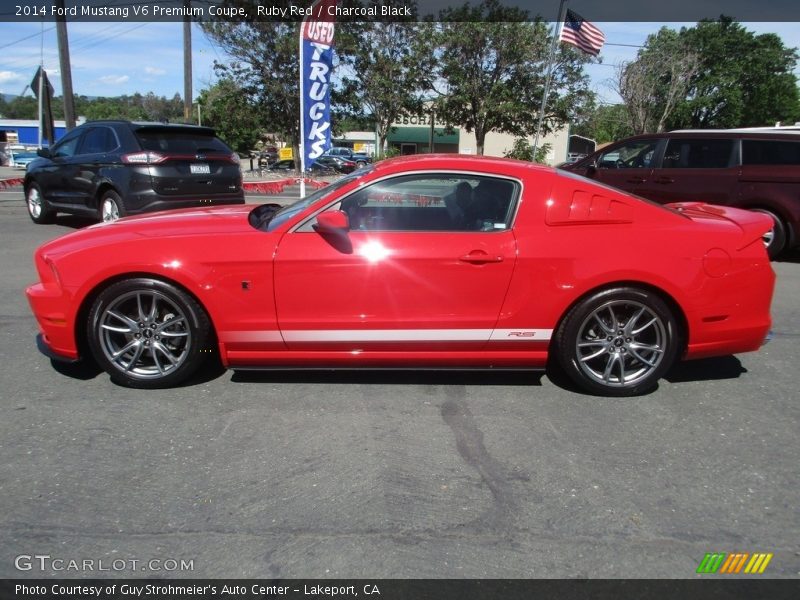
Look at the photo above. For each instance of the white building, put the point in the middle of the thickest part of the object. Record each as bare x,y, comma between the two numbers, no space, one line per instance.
412,135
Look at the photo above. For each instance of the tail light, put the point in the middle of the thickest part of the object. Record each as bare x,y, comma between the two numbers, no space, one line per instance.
143,158
235,159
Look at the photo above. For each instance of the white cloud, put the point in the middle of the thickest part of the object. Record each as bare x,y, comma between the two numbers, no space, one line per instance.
154,71
9,76
114,79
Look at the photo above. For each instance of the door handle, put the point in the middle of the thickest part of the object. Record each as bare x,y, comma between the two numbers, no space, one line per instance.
480,257
664,180
636,180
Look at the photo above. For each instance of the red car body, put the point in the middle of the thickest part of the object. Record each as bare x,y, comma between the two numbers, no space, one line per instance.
294,297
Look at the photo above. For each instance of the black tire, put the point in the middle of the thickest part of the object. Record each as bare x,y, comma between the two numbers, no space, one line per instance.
110,206
166,333
775,240
39,210
633,355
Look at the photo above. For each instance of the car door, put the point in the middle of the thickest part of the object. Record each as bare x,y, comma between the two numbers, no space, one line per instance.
627,166
418,267
90,158
54,178
694,169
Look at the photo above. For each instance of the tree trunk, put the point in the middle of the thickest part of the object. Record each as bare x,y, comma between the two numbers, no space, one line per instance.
480,139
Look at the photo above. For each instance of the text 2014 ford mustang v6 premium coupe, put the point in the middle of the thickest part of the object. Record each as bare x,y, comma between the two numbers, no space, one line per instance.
438,261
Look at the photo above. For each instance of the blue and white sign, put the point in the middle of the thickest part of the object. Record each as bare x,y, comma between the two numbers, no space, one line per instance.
316,59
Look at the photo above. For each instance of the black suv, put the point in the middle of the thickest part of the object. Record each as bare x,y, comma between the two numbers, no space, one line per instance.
110,169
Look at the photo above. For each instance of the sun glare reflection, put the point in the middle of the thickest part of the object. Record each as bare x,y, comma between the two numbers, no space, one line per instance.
374,251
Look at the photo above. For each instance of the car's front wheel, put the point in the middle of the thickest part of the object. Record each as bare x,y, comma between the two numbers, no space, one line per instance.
618,342
147,333
111,206
38,208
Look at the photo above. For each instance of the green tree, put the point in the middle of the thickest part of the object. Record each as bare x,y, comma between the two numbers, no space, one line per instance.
226,108
655,83
264,66
22,107
386,67
742,80
492,68
523,150
603,123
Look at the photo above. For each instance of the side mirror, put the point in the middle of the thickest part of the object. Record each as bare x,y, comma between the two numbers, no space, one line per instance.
43,152
332,221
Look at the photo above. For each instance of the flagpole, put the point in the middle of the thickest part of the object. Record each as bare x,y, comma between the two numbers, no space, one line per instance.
301,141
562,9
41,85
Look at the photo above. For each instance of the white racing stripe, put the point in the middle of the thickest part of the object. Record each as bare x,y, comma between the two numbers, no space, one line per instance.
389,335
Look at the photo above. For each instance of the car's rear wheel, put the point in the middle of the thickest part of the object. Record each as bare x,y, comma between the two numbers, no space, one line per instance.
618,342
147,333
38,208
111,206
775,239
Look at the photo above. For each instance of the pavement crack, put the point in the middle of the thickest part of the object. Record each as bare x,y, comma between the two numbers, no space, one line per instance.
471,447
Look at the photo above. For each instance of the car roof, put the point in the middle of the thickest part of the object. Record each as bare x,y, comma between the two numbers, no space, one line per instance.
153,125
457,162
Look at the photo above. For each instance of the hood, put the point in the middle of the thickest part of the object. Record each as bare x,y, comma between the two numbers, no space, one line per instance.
190,222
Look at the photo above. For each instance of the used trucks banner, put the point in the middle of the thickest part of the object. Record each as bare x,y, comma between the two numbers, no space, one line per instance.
316,57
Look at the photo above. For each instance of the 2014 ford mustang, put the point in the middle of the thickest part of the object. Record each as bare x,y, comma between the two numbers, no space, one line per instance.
435,261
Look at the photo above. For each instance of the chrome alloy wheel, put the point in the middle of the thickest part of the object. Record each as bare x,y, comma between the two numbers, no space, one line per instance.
34,202
144,334
110,210
620,343
768,238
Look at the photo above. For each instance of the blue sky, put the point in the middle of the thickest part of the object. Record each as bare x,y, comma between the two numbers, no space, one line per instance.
110,59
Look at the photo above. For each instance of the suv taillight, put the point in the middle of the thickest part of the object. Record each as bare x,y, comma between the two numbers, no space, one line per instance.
235,159
143,158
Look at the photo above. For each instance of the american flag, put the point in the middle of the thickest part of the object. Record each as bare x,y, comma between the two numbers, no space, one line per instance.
581,33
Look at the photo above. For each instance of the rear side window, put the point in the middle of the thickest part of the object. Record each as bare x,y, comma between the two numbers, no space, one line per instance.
180,142
770,152
697,154
98,140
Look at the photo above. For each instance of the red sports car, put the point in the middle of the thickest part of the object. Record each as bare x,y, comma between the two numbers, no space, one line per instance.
436,261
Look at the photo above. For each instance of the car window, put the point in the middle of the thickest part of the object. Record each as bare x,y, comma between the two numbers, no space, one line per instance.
98,140
432,202
697,154
287,212
770,152
637,154
66,147
179,142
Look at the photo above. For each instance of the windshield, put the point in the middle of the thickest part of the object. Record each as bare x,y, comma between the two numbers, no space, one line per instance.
287,212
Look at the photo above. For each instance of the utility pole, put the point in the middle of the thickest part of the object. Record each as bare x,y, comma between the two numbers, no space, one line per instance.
187,62
64,64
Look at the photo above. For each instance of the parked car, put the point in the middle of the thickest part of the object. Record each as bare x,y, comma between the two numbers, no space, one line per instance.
21,159
314,169
416,262
360,158
757,169
337,163
267,156
110,169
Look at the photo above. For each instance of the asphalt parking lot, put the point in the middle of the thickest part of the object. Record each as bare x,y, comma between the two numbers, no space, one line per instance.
379,474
